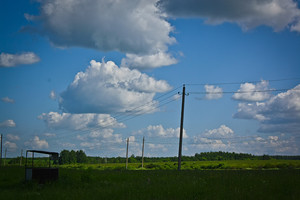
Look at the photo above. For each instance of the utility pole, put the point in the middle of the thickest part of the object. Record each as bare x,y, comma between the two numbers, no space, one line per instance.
5,156
127,153
143,153
1,151
21,157
181,128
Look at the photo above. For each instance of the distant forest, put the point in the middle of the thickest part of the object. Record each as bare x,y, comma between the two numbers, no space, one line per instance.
205,156
72,157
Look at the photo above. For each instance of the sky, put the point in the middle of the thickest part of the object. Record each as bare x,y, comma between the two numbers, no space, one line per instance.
87,74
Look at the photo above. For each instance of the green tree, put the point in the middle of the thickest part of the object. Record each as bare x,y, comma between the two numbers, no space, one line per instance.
81,157
72,158
64,157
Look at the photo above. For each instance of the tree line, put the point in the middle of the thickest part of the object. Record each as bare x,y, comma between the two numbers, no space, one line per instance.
72,157
69,157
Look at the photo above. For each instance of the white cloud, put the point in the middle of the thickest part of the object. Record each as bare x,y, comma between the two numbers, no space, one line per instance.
213,92
296,27
52,95
246,92
8,123
280,113
12,60
37,143
50,134
7,100
101,138
79,121
106,88
157,147
273,144
129,26
277,14
223,131
11,146
12,137
148,61
214,139
160,131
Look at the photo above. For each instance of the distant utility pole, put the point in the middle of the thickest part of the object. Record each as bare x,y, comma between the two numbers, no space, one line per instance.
127,153
5,156
1,150
143,152
21,157
181,128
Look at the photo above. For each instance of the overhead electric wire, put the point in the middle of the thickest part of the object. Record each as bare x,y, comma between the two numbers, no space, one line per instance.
128,117
249,91
243,82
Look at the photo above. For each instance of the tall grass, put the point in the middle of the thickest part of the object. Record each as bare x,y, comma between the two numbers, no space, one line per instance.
154,184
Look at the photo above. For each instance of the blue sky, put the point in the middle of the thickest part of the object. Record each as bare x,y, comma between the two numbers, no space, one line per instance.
88,74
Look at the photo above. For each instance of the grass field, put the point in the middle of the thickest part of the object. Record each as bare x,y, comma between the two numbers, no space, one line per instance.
195,165
91,183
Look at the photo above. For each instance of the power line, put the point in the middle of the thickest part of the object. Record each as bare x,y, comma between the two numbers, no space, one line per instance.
128,117
243,82
250,91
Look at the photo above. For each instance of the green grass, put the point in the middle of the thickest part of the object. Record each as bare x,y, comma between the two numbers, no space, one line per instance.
92,182
195,165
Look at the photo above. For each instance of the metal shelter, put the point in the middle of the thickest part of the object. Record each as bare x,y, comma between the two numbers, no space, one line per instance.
41,174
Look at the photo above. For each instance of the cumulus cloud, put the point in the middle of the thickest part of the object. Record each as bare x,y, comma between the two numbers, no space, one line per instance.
12,60
50,134
52,95
216,139
213,92
280,113
222,131
102,138
247,92
129,26
148,61
106,88
37,143
157,147
7,123
11,146
277,14
7,100
12,137
160,131
79,121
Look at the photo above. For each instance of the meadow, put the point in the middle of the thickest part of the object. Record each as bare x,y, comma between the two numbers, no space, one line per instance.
209,180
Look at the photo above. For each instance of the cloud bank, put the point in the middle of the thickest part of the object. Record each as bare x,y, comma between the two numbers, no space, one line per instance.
106,88
134,27
280,113
248,14
79,121
12,60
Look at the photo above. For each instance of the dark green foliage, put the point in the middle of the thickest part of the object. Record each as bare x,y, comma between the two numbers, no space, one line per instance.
71,157
81,157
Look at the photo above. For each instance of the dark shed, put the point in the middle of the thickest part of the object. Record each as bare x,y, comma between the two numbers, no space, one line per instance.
41,174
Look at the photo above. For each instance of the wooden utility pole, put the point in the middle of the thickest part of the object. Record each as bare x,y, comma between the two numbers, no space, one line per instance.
127,153
181,128
143,152
5,156
21,157
1,150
